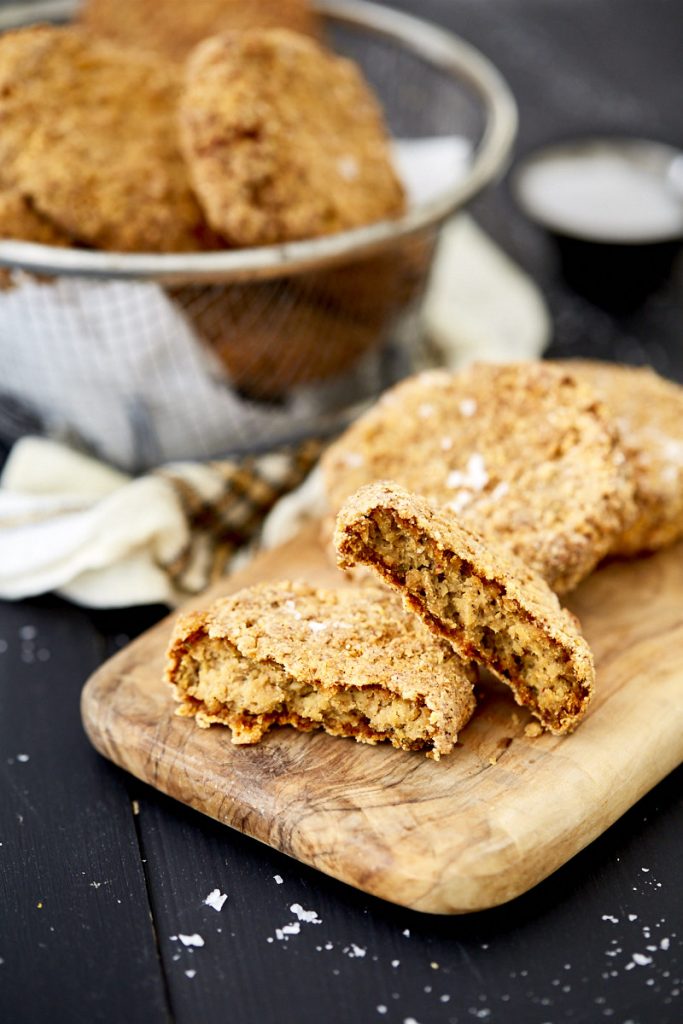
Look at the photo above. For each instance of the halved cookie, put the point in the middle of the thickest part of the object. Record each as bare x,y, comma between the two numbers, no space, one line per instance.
523,453
490,606
649,413
352,662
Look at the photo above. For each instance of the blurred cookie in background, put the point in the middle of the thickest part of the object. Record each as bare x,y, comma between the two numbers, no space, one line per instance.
19,222
173,27
274,336
88,138
284,140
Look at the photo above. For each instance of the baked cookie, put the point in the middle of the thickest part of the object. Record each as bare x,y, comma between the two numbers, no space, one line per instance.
487,603
21,223
523,453
648,411
353,663
173,27
284,140
88,136
273,336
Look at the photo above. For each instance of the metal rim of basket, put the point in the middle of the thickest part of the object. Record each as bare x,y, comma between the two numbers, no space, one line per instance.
435,45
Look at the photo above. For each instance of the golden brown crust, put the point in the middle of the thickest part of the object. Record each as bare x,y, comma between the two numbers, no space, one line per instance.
487,603
88,136
173,27
648,411
523,453
351,662
20,222
284,140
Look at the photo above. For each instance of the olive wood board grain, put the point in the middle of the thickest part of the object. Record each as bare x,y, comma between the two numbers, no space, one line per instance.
472,831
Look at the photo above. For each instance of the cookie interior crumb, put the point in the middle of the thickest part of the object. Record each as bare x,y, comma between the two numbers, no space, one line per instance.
492,608
351,663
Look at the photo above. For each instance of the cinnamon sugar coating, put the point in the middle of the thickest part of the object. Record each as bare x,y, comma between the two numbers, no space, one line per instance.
523,453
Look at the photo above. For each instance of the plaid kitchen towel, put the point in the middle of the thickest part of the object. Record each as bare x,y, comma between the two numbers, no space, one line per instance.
75,525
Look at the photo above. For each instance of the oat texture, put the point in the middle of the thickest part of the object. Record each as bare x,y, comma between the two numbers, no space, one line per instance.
523,453
88,137
648,411
353,663
173,27
284,139
487,603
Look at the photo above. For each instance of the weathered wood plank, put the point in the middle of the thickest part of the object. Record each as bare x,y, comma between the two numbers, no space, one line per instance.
76,940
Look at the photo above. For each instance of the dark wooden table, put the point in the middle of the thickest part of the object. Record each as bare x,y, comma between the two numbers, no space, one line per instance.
99,875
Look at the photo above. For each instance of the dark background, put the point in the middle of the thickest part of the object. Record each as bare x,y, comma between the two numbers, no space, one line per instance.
97,872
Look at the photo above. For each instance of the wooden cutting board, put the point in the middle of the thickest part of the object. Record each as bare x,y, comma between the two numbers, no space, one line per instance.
469,832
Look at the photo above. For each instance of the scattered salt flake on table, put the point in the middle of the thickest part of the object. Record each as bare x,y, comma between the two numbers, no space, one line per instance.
190,940
380,1009
645,869
610,917
664,944
406,932
409,1020
633,917
279,879
287,929
354,951
270,938
445,998
23,758
329,945
28,632
308,916
3,646
215,899
190,973
641,959
395,963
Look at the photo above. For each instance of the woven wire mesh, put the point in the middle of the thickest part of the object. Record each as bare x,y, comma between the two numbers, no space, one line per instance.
141,373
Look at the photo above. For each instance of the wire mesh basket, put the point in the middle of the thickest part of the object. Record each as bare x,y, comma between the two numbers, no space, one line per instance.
149,358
